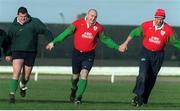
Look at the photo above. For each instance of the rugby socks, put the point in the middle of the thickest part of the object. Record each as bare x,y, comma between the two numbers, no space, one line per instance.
74,83
13,86
23,82
81,88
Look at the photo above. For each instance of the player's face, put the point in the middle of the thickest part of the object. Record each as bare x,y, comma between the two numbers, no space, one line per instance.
159,21
91,17
22,17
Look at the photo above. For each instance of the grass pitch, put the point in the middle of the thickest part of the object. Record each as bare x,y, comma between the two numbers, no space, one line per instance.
51,92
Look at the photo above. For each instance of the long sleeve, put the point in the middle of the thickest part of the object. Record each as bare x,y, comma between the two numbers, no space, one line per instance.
62,36
108,41
6,46
5,43
43,29
174,41
136,32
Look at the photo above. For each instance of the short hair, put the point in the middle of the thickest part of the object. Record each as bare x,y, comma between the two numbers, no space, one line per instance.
22,10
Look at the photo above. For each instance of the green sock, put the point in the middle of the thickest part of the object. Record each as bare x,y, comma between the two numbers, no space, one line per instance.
81,88
23,81
74,83
13,85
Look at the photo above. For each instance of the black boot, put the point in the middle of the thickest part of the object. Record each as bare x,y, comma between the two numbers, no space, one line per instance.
12,98
73,94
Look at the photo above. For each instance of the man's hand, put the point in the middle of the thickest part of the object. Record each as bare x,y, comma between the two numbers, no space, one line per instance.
8,58
50,46
123,47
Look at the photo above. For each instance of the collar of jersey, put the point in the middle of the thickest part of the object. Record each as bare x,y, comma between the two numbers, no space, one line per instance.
85,18
21,23
158,28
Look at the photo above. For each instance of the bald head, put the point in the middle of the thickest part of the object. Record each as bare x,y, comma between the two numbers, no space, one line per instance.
91,16
92,10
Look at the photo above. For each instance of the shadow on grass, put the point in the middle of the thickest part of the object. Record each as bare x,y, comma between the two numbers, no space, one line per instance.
155,105
35,101
63,101
106,102
165,104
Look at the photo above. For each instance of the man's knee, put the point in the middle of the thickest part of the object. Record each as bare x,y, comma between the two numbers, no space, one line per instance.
15,77
84,74
141,77
27,77
75,76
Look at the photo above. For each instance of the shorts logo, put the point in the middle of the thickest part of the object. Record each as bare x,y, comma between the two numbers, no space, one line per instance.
143,59
90,59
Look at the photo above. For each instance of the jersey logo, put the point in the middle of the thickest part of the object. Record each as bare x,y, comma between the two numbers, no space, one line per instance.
87,35
95,28
155,40
20,30
162,32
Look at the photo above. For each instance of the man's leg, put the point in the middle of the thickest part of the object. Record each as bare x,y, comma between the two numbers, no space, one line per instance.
149,85
147,90
156,64
141,80
29,59
76,68
17,66
82,63
81,85
74,81
24,79
86,65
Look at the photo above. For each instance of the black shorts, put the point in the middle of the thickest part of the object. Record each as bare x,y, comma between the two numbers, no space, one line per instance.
82,60
28,57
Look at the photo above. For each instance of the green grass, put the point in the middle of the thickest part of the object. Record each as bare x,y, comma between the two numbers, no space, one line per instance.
51,92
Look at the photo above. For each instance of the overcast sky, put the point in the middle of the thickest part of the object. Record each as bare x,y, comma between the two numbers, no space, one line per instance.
116,12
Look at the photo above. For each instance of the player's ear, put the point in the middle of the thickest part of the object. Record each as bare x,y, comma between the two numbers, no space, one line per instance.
86,17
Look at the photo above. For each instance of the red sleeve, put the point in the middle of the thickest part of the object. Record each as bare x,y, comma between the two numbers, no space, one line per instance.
171,31
100,28
143,25
146,25
76,23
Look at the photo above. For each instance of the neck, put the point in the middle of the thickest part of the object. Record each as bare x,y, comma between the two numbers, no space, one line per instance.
158,26
20,22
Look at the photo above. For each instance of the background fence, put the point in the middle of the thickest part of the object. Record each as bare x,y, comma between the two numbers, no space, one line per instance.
107,62
61,54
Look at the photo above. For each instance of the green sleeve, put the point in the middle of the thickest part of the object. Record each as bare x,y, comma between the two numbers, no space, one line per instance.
108,41
8,42
68,31
174,41
43,29
5,44
136,32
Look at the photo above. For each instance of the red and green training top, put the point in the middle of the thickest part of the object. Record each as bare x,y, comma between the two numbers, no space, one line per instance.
85,37
155,38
